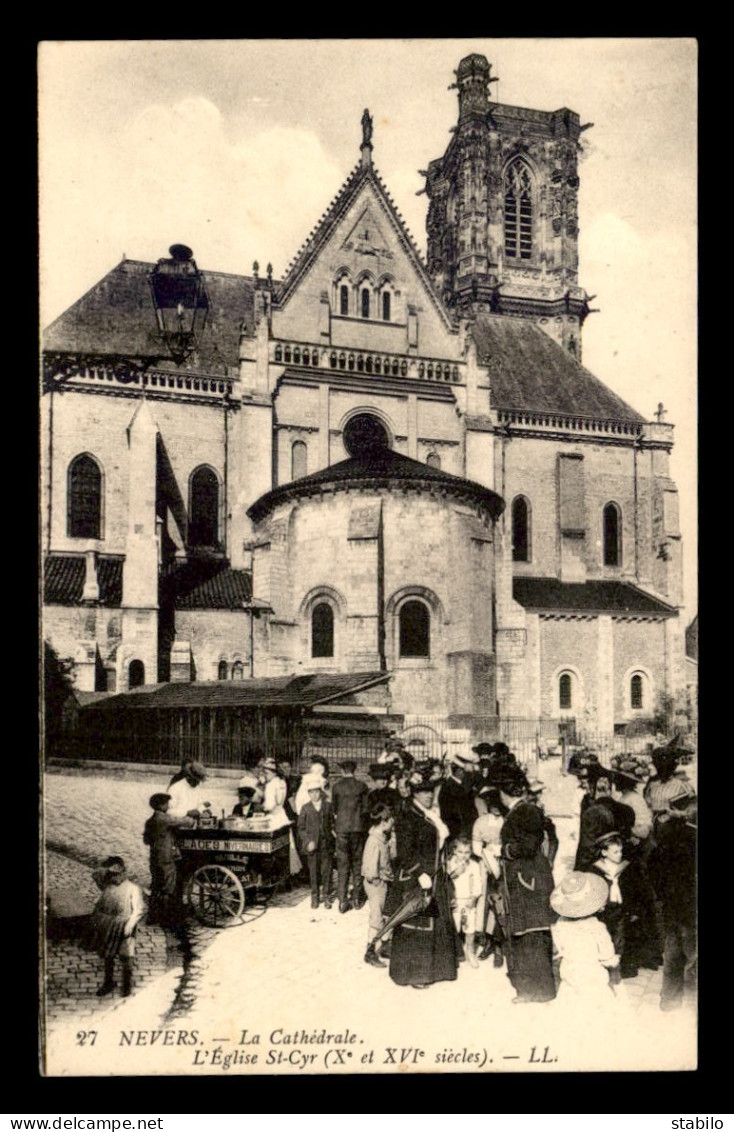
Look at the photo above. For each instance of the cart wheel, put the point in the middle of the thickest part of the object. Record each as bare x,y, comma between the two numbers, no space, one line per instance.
216,896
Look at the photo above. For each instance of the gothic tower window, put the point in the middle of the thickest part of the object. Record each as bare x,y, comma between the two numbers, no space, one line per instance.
518,211
415,630
204,508
520,529
136,674
84,518
612,531
322,630
299,453
343,299
386,306
222,670
365,302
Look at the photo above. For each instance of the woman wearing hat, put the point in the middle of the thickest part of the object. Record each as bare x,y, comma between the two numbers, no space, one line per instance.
581,940
425,947
273,804
525,887
667,784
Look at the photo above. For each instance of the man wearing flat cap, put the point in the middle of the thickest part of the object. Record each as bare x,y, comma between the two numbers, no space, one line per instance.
455,797
349,805
187,797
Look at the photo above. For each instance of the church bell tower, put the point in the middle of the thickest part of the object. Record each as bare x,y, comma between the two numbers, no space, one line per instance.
503,211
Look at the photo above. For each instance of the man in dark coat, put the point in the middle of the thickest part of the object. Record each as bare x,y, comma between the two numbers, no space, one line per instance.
526,885
455,796
672,870
165,887
316,839
349,803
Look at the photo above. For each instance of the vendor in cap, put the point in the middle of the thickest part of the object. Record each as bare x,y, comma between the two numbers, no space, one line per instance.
525,886
187,797
424,948
455,797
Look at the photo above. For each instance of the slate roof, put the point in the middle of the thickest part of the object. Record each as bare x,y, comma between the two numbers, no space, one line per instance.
268,691
117,316
528,370
63,581
380,468
596,596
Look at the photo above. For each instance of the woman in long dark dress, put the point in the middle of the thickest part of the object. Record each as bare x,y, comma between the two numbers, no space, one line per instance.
424,948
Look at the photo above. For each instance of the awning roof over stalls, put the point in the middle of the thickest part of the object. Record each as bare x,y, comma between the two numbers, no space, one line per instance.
268,691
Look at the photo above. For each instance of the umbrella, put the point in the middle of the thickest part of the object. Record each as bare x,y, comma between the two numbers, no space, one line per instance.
413,904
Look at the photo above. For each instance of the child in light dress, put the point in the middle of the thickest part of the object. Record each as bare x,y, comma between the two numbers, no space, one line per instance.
581,940
468,886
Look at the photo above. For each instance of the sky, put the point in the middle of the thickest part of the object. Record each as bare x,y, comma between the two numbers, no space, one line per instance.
236,148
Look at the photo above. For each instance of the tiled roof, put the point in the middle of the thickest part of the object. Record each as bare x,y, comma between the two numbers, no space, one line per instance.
63,581
380,468
117,317
275,691
195,587
528,370
599,596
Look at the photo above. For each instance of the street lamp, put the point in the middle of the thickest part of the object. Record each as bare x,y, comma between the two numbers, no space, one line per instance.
181,308
180,301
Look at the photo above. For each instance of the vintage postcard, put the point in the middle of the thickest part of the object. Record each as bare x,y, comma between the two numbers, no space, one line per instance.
369,533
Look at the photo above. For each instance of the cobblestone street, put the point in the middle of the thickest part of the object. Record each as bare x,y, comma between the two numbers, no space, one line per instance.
290,966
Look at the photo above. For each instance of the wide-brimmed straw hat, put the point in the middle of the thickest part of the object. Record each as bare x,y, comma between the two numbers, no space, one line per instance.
313,782
466,759
579,895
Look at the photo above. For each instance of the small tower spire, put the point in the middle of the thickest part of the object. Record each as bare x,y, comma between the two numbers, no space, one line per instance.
366,140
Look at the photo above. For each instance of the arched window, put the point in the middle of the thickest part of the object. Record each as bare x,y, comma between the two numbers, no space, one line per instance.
637,692
385,306
565,691
238,670
136,674
518,211
365,302
204,513
433,460
415,630
343,299
299,453
84,498
322,630
222,672
520,529
612,535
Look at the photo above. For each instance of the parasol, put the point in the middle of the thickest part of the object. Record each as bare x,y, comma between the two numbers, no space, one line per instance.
413,905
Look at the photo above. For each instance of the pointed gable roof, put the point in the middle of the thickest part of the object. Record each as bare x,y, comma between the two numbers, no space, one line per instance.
308,253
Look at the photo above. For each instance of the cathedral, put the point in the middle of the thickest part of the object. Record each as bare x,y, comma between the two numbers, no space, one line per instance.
384,467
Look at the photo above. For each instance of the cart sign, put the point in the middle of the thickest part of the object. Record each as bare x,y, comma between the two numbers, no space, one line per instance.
240,845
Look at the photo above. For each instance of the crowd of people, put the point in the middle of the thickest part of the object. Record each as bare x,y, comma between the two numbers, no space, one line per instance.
455,859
